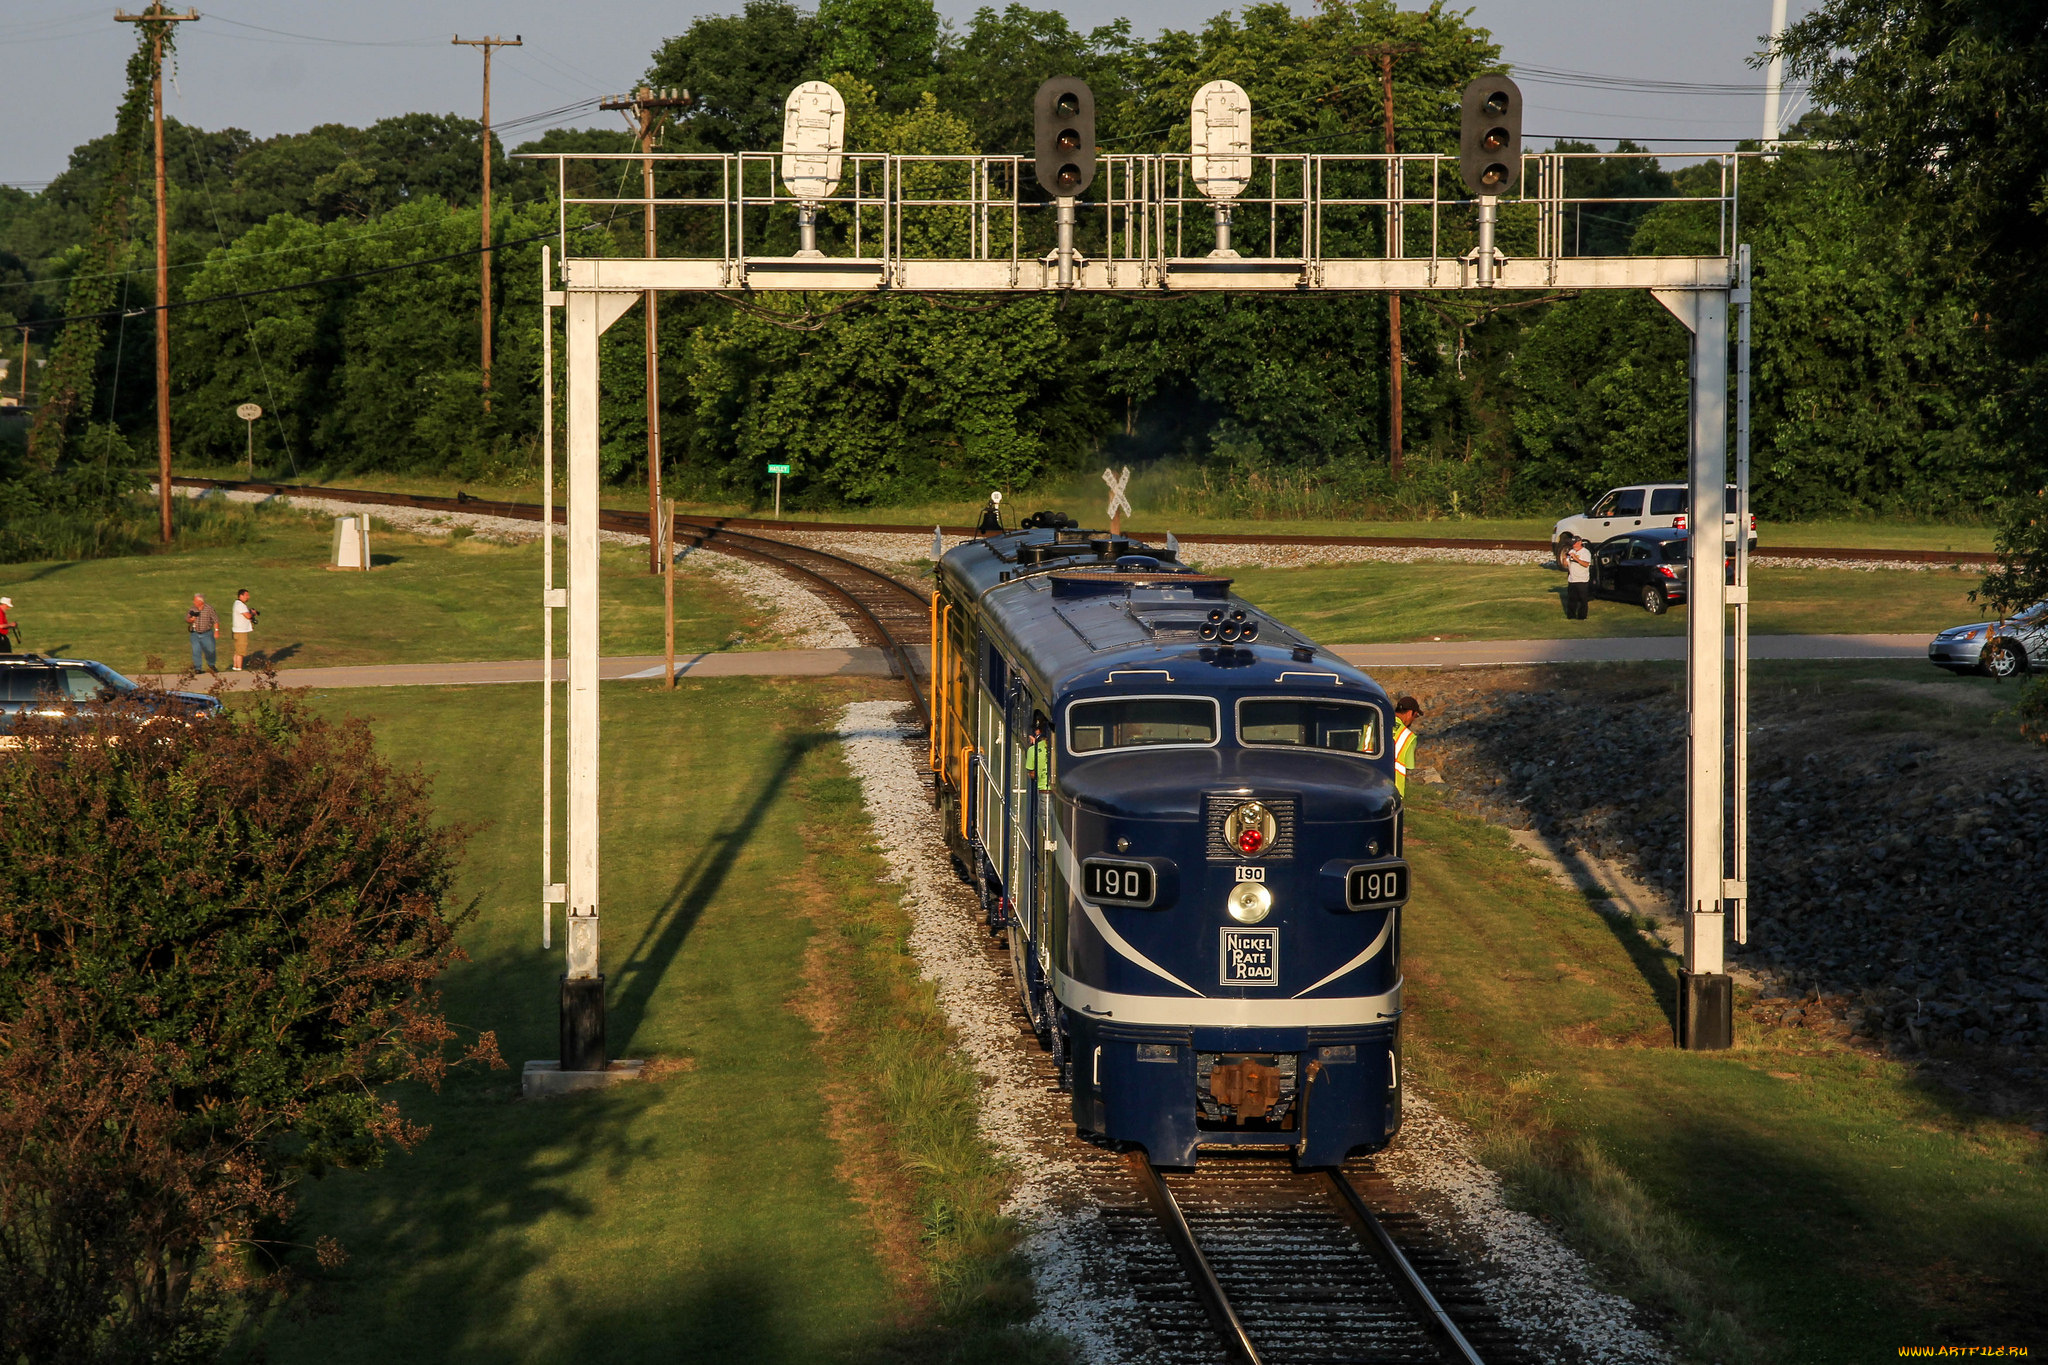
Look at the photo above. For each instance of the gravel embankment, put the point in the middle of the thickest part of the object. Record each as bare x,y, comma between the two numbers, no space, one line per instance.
1895,870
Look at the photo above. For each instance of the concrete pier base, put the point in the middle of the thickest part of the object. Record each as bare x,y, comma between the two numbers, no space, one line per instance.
545,1079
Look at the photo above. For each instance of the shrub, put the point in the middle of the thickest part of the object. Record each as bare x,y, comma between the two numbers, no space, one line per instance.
217,943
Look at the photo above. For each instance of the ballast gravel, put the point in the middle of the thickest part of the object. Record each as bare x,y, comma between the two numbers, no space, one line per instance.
801,618
1079,1292
1533,1282
1530,1279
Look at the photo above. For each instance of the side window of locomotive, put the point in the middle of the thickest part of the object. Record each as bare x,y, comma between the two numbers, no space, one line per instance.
1347,726
1134,722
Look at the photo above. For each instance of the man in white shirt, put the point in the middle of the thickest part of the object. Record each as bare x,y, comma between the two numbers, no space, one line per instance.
1578,578
245,627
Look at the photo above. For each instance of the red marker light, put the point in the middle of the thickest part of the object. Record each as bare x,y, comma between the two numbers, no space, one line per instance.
1252,840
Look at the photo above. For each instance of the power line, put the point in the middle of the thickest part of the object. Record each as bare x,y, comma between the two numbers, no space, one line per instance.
318,38
1543,75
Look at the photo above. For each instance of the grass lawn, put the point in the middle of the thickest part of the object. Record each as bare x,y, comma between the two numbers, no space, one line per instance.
757,1201
1083,496
1789,1200
427,599
1382,603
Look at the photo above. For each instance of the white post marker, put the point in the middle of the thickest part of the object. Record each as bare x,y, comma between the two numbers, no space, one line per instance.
1118,503
813,139
249,412
778,470
1220,123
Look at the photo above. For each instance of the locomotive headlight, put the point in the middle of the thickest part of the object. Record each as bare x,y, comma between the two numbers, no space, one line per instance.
1251,828
1249,902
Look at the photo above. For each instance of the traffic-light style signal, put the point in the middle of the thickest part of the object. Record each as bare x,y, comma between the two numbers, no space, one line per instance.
1064,116
1490,136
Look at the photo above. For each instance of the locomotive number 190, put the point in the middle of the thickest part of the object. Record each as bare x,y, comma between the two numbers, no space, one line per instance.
1378,885
1118,883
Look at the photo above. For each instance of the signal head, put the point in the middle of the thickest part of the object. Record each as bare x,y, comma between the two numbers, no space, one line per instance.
1064,127
1490,136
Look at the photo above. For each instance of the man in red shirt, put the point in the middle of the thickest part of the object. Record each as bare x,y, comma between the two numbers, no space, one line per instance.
8,630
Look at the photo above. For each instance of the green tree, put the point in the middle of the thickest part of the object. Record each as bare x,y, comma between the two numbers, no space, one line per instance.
739,68
1297,383
989,74
1866,371
1941,102
382,372
871,399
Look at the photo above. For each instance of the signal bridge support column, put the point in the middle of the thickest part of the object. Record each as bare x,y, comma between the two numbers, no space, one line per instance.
583,1012
1706,1001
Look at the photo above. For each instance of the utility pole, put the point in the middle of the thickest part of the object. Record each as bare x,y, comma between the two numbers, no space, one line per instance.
643,109
156,16
1386,52
21,397
487,44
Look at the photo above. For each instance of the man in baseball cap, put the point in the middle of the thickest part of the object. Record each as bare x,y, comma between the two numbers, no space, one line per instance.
1406,713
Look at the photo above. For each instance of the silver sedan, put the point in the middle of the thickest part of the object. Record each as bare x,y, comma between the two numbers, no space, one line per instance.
2001,649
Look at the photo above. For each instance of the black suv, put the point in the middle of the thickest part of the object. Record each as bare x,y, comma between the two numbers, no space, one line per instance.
32,684
1646,567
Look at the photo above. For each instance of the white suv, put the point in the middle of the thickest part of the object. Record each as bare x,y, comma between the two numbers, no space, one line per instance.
1635,508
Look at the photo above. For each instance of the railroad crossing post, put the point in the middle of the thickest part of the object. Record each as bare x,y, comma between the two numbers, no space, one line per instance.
1706,1005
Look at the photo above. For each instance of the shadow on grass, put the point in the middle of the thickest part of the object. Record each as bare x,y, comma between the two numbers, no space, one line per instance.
1657,966
473,1261
1853,1270
278,656
718,852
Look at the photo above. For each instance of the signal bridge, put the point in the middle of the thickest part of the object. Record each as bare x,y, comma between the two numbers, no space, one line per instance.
1305,223
1219,217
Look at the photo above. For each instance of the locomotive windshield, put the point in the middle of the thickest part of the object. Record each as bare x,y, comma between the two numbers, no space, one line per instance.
1130,722
1352,727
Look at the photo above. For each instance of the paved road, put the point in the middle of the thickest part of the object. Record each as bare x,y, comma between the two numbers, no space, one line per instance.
859,662
864,662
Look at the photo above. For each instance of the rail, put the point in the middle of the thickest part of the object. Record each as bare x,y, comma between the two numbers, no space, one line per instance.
1433,1333
1766,552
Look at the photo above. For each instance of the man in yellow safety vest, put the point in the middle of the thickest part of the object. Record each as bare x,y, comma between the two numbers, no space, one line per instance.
1406,713
1038,754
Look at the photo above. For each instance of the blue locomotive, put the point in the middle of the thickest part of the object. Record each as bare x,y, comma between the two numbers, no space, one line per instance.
1183,815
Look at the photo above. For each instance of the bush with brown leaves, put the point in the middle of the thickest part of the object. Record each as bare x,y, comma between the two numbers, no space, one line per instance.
218,944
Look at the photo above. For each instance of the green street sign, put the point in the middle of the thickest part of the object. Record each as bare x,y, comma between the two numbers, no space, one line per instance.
778,469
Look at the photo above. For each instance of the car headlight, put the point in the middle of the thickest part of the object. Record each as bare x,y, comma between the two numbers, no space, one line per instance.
1971,634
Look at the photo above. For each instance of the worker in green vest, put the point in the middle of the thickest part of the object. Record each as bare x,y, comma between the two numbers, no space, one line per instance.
1038,753
1406,713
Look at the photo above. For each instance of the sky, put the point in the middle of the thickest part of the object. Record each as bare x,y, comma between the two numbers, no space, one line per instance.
1670,73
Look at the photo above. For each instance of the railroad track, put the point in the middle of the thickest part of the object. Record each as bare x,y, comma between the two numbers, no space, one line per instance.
1247,1261
883,611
